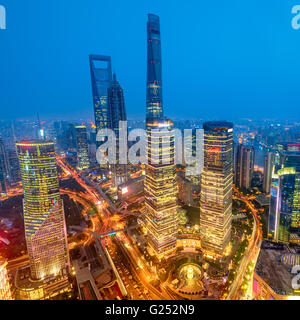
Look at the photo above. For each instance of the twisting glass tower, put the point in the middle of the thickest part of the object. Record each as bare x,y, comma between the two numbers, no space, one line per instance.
216,188
44,220
160,182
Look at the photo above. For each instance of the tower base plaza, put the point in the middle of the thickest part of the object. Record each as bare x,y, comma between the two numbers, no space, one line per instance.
189,273
44,289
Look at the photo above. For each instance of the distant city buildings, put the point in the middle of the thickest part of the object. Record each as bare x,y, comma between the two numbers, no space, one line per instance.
65,135
160,180
82,148
191,252
244,166
5,292
45,229
216,188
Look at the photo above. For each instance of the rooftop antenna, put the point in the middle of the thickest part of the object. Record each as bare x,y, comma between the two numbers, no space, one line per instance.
40,131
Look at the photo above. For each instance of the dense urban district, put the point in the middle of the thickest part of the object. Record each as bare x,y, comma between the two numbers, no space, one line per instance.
224,227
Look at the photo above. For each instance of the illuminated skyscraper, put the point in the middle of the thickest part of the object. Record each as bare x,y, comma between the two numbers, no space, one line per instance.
284,215
5,293
117,114
216,188
161,187
275,165
101,76
244,166
82,148
44,220
160,181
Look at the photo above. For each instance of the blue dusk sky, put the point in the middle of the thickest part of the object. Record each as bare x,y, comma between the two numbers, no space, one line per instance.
222,59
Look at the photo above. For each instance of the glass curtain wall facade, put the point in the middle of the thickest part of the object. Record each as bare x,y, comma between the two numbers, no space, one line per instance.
44,220
216,188
161,188
284,214
101,76
154,67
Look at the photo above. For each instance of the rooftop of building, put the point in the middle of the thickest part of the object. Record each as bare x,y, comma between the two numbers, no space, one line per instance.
262,200
217,125
153,17
34,142
290,153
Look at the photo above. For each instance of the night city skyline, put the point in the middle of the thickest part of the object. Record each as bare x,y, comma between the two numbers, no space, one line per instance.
240,60
150,151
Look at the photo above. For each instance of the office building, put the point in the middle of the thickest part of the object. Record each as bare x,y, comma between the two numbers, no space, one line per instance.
244,166
269,164
44,220
284,214
101,76
82,148
216,188
193,146
117,111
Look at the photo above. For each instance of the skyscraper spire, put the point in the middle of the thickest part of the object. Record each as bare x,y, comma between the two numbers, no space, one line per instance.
40,132
154,74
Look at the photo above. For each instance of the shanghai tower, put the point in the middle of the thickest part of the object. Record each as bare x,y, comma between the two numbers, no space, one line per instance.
154,74
160,180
